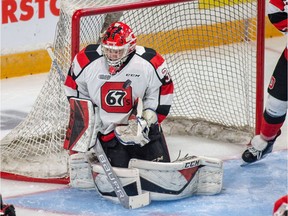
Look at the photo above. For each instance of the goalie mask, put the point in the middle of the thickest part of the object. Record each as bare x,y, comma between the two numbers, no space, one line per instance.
117,43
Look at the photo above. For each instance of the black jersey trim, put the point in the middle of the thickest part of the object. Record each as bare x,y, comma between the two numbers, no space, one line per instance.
277,17
163,109
91,52
272,119
148,54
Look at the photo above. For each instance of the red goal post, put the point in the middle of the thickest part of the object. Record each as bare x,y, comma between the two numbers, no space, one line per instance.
215,54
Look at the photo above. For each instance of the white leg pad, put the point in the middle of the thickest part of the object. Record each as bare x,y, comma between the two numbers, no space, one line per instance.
180,179
209,180
80,172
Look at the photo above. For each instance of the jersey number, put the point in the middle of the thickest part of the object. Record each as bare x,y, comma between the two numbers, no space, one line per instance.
116,99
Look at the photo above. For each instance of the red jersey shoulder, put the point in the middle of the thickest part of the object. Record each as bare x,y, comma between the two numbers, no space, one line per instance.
88,55
278,3
153,57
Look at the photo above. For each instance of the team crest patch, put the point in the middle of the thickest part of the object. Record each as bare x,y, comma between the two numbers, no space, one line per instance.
104,76
272,82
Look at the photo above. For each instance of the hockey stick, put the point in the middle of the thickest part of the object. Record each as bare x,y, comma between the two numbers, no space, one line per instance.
139,114
54,62
129,202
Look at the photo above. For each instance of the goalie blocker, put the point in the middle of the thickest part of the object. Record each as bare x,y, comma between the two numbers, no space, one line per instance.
164,181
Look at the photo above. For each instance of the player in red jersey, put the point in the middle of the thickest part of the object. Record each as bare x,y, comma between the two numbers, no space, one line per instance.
276,106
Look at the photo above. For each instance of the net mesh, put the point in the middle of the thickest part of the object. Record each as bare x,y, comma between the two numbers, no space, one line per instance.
211,54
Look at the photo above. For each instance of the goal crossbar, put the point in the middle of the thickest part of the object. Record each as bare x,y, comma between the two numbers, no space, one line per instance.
215,54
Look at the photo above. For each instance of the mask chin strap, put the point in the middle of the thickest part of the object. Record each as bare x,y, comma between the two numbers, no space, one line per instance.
115,69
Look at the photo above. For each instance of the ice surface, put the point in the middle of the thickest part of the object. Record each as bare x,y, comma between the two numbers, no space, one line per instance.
250,190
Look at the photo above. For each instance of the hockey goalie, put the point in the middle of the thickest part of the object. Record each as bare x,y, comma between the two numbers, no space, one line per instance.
119,94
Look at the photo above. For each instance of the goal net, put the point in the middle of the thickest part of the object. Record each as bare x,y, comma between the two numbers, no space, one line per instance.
214,51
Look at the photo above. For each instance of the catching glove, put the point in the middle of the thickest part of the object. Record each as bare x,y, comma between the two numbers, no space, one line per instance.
137,130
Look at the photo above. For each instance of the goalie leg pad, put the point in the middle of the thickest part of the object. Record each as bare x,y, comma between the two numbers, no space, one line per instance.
128,177
210,176
180,179
80,172
209,180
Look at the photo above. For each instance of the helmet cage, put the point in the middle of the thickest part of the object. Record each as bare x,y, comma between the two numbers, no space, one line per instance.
117,55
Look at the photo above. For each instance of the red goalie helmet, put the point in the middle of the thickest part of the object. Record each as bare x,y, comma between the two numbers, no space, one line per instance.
117,43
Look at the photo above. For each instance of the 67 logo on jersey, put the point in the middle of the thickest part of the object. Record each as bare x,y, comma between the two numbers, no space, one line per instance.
116,99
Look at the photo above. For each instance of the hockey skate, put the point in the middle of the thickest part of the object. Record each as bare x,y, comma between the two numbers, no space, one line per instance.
6,209
253,154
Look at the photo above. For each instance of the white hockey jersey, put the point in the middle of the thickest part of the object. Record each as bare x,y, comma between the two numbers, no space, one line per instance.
144,75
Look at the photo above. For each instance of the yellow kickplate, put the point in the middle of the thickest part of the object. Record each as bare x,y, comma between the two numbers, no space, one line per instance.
35,62
206,4
26,63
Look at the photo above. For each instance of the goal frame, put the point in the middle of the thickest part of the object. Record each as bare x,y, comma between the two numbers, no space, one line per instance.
260,50
74,48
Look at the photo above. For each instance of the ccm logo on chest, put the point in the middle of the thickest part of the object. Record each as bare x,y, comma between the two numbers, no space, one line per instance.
133,75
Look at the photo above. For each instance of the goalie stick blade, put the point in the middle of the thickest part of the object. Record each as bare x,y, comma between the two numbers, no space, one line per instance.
139,201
